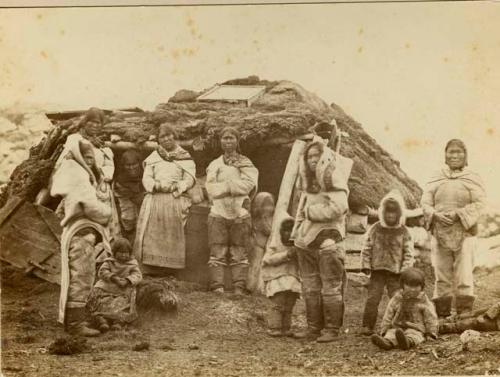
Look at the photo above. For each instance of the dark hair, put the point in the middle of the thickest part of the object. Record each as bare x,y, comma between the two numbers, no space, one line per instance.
233,131
323,130
456,142
412,277
121,244
287,224
89,230
311,185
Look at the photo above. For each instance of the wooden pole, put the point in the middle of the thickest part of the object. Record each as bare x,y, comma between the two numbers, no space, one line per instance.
286,189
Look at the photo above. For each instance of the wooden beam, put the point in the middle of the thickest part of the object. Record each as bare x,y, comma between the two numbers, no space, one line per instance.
286,189
151,145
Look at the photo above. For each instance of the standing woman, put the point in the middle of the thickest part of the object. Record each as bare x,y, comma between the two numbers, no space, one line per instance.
87,211
231,181
452,203
169,172
319,233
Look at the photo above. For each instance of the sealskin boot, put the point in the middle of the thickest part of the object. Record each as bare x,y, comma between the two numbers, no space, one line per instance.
381,342
464,303
286,321
286,318
76,325
448,328
274,322
314,314
239,274
333,314
443,306
216,277
102,324
404,342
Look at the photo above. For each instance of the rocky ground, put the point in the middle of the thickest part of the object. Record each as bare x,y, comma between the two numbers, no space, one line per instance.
214,335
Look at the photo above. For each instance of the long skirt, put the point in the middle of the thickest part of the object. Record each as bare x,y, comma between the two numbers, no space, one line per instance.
118,307
160,234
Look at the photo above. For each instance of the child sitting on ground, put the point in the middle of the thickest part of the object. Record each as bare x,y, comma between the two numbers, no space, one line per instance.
281,281
112,301
410,316
387,251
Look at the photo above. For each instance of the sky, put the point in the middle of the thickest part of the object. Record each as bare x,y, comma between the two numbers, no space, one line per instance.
413,74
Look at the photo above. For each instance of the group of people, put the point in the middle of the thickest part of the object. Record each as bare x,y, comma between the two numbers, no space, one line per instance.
144,206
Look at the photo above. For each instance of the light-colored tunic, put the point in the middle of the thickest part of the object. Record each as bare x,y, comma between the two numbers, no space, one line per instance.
453,246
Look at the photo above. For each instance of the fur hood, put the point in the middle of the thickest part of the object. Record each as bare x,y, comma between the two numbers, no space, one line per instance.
395,196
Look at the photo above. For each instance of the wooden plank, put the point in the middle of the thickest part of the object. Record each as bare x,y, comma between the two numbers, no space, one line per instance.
9,207
26,237
52,221
354,242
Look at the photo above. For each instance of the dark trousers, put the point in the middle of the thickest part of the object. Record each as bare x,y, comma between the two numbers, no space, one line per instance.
280,314
323,282
378,281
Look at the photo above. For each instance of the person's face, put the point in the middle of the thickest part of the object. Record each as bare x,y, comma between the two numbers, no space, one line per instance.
455,157
92,127
88,157
167,141
268,209
391,217
228,142
285,235
411,290
313,156
122,256
133,169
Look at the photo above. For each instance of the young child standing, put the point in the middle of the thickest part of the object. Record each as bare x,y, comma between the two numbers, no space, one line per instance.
410,316
281,281
387,251
112,301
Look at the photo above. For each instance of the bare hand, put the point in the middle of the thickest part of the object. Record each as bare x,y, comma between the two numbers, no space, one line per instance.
452,215
442,218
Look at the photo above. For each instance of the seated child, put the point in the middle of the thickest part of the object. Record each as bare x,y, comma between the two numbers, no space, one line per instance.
112,301
387,251
281,281
486,319
410,316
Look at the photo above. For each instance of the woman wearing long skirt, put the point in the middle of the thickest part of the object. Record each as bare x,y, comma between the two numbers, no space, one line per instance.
169,172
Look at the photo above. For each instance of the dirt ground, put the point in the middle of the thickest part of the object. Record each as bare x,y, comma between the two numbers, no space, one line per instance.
214,335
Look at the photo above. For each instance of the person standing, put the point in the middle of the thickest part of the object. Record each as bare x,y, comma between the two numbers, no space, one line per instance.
319,233
452,202
387,251
169,172
231,181
129,191
87,211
